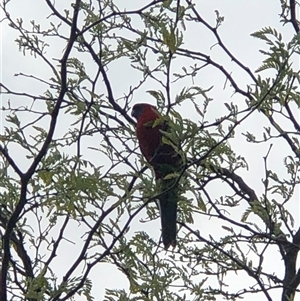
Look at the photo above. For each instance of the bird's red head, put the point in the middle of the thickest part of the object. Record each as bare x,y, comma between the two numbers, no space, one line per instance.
140,109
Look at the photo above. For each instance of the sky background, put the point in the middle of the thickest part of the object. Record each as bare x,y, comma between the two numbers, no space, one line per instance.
241,19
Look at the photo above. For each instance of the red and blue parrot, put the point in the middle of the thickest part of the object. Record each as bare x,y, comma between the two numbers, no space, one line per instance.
164,160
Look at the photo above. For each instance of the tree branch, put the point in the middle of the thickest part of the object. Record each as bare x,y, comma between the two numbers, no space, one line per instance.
26,177
293,19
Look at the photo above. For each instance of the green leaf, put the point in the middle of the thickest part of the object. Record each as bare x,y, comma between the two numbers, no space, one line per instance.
167,3
170,39
46,177
201,205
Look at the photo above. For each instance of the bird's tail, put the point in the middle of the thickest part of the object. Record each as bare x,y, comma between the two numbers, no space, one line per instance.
168,211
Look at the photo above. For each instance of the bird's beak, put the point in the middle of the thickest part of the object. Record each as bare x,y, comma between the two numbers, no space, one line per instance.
134,113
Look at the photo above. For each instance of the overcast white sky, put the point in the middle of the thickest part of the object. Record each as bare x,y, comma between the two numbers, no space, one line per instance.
242,18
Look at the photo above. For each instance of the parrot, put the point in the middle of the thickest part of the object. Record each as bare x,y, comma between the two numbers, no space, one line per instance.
164,160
